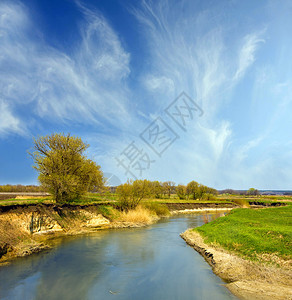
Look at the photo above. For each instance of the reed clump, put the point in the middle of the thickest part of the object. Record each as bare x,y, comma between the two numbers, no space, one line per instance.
138,215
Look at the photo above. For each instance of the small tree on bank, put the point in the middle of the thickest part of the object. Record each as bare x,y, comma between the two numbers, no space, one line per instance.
181,191
199,191
193,190
156,189
132,192
168,188
63,168
252,192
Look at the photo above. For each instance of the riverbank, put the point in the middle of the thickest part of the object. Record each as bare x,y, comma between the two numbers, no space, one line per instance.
122,264
25,230
29,228
250,250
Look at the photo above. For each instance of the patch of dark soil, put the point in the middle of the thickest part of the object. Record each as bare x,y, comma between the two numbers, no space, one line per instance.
4,248
266,204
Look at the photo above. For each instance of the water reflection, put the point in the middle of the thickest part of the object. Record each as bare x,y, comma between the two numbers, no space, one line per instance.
148,263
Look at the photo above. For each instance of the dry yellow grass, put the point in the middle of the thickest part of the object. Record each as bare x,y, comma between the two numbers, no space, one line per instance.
137,215
242,202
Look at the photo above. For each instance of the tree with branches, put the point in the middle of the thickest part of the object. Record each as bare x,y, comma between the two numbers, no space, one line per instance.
63,168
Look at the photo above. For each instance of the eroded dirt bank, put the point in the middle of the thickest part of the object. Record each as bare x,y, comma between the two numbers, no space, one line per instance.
246,279
26,229
30,228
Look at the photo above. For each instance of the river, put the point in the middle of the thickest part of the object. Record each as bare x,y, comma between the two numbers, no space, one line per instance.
153,262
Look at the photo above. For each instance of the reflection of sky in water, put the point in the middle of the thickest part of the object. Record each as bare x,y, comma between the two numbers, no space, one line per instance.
25,289
145,263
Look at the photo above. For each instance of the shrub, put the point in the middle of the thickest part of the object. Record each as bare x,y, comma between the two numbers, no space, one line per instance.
208,196
242,202
158,208
132,192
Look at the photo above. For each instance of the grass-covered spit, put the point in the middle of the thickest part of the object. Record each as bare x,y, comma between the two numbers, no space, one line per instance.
253,233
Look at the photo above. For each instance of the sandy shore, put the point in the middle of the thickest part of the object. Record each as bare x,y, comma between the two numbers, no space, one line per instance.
245,279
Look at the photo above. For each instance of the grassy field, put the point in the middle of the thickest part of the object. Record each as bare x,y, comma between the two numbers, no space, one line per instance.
29,200
264,198
94,198
253,233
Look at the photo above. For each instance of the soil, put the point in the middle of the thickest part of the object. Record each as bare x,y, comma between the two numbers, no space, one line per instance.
26,229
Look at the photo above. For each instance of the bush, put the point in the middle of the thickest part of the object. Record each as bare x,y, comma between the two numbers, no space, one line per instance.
132,192
209,197
242,202
158,208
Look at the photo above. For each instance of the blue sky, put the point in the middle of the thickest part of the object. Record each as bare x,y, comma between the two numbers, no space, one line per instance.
108,70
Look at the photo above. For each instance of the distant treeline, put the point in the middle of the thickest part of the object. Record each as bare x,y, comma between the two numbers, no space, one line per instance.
157,189
161,189
19,188
254,192
251,192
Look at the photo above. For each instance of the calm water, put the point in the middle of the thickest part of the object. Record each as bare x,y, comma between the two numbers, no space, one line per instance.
145,263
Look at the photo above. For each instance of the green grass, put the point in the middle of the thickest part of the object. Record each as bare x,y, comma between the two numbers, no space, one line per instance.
95,198
109,212
14,201
90,198
101,197
252,232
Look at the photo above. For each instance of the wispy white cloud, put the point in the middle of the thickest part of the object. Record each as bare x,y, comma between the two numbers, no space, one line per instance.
190,46
8,122
244,151
159,84
88,85
247,52
192,50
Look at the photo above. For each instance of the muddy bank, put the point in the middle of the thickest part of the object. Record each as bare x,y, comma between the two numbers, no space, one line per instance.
27,229
246,279
266,204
